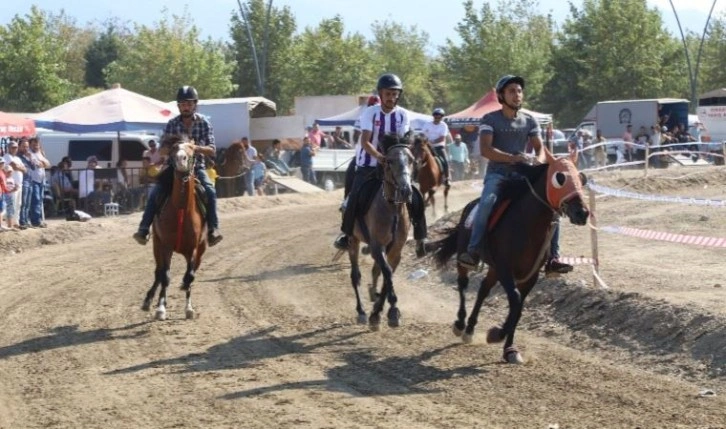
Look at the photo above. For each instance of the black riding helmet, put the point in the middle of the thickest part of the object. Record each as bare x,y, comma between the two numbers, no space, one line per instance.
187,93
504,81
389,81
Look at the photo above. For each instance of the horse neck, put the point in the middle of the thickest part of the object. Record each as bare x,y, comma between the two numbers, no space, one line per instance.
182,192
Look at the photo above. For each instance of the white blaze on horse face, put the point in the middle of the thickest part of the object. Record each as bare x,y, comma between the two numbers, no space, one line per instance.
181,160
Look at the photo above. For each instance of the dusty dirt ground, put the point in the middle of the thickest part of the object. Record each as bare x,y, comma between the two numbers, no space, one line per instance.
276,345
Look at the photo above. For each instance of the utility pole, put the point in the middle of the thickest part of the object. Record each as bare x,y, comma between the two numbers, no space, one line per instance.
260,61
693,74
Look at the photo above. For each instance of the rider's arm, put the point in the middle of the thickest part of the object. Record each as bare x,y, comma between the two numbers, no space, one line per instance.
491,153
365,141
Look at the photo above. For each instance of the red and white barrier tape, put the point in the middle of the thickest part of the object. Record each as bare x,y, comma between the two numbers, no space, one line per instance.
572,260
695,240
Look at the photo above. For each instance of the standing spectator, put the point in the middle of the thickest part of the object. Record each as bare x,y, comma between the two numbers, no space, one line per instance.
627,148
24,155
3,192
459,154
306,161
249,177
317,136
37,185
599,154
14,206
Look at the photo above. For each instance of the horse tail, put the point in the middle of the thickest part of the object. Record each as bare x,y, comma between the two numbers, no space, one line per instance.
445,248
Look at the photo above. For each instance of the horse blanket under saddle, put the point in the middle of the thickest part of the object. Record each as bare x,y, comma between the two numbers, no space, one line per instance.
199,193
497,212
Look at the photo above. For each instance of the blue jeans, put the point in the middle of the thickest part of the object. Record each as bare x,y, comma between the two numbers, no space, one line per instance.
36,203
308,175
249,178
25,205
212,220
486,204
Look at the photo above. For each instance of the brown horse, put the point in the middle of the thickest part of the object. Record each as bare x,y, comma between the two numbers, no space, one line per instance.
428,172
179,228
233,166
517,245
384,227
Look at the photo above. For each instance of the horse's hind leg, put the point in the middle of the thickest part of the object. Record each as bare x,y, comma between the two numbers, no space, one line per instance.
462,281
431,200
446,198
355,281
486,286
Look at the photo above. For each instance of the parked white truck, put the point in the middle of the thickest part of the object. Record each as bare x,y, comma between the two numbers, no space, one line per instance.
612,117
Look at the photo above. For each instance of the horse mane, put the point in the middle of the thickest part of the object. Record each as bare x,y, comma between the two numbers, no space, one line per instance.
516,186
169,140
390,140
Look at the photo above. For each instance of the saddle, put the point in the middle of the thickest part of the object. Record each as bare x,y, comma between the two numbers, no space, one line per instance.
366,194
199,193
500,207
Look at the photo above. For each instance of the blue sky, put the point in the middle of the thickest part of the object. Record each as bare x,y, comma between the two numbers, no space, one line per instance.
212,16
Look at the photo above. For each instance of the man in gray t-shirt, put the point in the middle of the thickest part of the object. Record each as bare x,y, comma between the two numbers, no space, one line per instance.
503,138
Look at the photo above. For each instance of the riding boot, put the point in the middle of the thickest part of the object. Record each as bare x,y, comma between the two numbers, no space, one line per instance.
416,211
142,234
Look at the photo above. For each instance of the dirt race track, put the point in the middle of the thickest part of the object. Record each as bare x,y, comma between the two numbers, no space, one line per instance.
276,345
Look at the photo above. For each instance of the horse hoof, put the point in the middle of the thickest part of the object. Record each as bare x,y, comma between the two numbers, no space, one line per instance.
190,314
495,335
374,327
146,306
394,322
365,250
372,294
160,315
512,355
455,329
374,322
394,317
467,338
362,319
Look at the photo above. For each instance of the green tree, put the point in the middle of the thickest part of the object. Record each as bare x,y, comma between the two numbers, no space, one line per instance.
157,60
611,50
276,55
32,62
400,50
506,38
713,63
75,42
104,50
325,61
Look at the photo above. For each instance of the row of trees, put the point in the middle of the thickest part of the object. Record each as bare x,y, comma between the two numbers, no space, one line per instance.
606,49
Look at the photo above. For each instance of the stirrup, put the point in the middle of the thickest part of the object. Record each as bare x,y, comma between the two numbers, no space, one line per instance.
468,260
141,237
214,237
341,243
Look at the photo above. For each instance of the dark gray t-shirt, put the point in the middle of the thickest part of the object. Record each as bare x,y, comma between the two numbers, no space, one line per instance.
509,135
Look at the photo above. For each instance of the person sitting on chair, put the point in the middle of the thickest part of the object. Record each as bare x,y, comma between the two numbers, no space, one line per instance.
199,128
377,121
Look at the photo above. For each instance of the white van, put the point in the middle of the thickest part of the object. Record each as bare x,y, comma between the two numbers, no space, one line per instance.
106,147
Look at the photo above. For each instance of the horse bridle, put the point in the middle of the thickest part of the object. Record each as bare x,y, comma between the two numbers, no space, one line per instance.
388,184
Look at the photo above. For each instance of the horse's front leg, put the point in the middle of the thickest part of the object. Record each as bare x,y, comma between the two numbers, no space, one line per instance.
487,283
511,353
462,281
146,306
374,320
187,287
446,198
373,288
497,334
164,277
353,253
394,314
